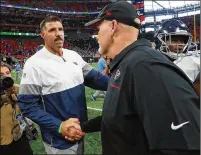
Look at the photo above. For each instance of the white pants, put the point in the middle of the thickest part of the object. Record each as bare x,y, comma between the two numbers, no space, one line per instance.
51,150
99,93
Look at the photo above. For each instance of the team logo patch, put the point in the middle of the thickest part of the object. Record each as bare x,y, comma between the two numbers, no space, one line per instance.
117,75
24,75
75,63
108,13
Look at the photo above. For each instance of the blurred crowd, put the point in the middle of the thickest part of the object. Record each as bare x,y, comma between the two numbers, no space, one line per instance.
59,5
184,7
21,48
77,37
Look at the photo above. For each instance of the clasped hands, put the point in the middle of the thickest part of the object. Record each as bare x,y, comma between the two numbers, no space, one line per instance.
71,129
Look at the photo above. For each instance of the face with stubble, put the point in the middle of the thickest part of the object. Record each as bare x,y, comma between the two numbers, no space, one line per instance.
53,35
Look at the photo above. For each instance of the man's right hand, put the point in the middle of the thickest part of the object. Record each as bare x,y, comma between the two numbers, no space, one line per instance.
71,129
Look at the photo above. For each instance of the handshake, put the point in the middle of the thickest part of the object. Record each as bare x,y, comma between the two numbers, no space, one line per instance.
71,129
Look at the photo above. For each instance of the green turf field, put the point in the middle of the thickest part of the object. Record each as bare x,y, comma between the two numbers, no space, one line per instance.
92,140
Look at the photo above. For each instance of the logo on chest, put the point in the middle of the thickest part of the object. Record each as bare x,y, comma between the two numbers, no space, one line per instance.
75,63
117,74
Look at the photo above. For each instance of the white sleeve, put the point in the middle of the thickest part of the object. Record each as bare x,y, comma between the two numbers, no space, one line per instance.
189,67
31,82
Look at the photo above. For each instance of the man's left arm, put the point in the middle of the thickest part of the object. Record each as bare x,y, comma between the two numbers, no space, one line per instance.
94,79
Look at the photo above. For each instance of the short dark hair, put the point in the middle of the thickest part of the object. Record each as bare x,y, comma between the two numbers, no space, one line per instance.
47,19
6,65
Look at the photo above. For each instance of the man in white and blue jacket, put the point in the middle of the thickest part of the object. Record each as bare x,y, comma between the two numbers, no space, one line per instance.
52,90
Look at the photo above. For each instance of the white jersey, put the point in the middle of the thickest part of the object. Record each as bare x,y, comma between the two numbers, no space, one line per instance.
190,65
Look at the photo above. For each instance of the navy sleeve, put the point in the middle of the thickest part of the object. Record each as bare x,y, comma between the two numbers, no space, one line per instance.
94,79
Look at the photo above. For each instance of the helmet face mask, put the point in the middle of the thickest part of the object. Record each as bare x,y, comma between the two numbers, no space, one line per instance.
174,39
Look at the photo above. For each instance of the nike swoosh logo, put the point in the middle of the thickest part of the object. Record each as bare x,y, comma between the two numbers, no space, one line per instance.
178,126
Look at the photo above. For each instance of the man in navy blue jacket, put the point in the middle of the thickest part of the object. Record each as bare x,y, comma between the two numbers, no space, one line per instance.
52,90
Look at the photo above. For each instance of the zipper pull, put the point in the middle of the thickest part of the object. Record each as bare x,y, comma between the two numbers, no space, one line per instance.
63,59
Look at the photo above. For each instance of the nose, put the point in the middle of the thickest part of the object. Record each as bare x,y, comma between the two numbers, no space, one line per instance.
58,32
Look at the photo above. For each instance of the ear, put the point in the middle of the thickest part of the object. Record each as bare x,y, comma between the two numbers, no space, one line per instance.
114,26
42,34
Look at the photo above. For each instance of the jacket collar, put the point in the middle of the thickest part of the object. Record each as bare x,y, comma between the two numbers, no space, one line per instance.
118,58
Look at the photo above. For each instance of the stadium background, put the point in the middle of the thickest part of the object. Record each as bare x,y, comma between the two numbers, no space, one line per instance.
20,21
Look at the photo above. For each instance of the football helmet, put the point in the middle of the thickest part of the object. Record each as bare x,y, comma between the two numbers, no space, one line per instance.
173,38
